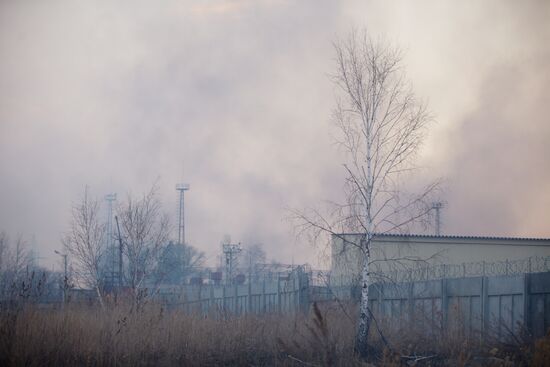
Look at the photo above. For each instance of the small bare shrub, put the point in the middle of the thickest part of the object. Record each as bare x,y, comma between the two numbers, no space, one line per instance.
541,352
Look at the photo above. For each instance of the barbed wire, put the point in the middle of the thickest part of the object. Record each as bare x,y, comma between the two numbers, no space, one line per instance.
533,264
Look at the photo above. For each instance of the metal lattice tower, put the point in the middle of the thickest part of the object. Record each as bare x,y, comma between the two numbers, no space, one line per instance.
437,207
181,187
111,248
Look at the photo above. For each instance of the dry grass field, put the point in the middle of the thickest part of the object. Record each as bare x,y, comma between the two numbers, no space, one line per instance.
120,336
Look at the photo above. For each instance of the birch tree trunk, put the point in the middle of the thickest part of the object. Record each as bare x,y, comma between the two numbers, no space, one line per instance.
364,314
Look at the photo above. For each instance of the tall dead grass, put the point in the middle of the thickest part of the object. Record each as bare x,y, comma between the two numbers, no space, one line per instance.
120,336
88,336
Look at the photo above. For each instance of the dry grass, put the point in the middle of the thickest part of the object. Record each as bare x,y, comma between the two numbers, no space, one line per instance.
87,336
82,335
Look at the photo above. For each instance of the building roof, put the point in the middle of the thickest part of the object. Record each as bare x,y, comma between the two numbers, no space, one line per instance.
464,237
451,237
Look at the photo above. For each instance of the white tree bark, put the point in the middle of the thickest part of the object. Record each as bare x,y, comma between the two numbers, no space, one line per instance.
364,314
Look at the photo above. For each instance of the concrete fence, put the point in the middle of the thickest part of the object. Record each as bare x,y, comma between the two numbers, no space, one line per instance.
499,306
284,293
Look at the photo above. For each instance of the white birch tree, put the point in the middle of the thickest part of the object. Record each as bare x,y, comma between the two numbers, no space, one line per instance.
84,242
381,127
145,233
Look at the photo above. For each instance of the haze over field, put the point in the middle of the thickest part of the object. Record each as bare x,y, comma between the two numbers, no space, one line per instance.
234,97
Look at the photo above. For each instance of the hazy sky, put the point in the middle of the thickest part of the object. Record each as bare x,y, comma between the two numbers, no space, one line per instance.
233,97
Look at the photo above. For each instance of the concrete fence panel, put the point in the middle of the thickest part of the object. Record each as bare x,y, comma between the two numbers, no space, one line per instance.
502,306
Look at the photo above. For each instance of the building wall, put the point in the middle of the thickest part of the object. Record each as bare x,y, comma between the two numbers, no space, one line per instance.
397,252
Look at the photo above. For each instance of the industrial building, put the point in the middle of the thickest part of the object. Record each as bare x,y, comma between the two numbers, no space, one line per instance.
450,255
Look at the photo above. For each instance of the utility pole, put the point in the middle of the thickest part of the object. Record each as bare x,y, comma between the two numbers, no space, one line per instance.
181,187
111,248
437,207
65,277
119,253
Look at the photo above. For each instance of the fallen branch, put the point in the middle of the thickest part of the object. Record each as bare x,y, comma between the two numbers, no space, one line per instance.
415,359
300,361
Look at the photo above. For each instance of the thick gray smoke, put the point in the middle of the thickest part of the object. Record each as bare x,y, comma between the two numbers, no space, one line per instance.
233,97
500,183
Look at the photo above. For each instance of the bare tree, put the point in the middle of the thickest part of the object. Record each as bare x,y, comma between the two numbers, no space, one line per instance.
145,231
17,259
254,260
84,242
21,279
178,262
381,127
15,263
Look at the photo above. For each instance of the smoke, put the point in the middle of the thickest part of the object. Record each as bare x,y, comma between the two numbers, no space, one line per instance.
497,157
119,96
233,97
501,182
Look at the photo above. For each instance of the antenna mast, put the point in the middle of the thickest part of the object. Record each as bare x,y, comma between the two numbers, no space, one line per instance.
110,198
181,187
